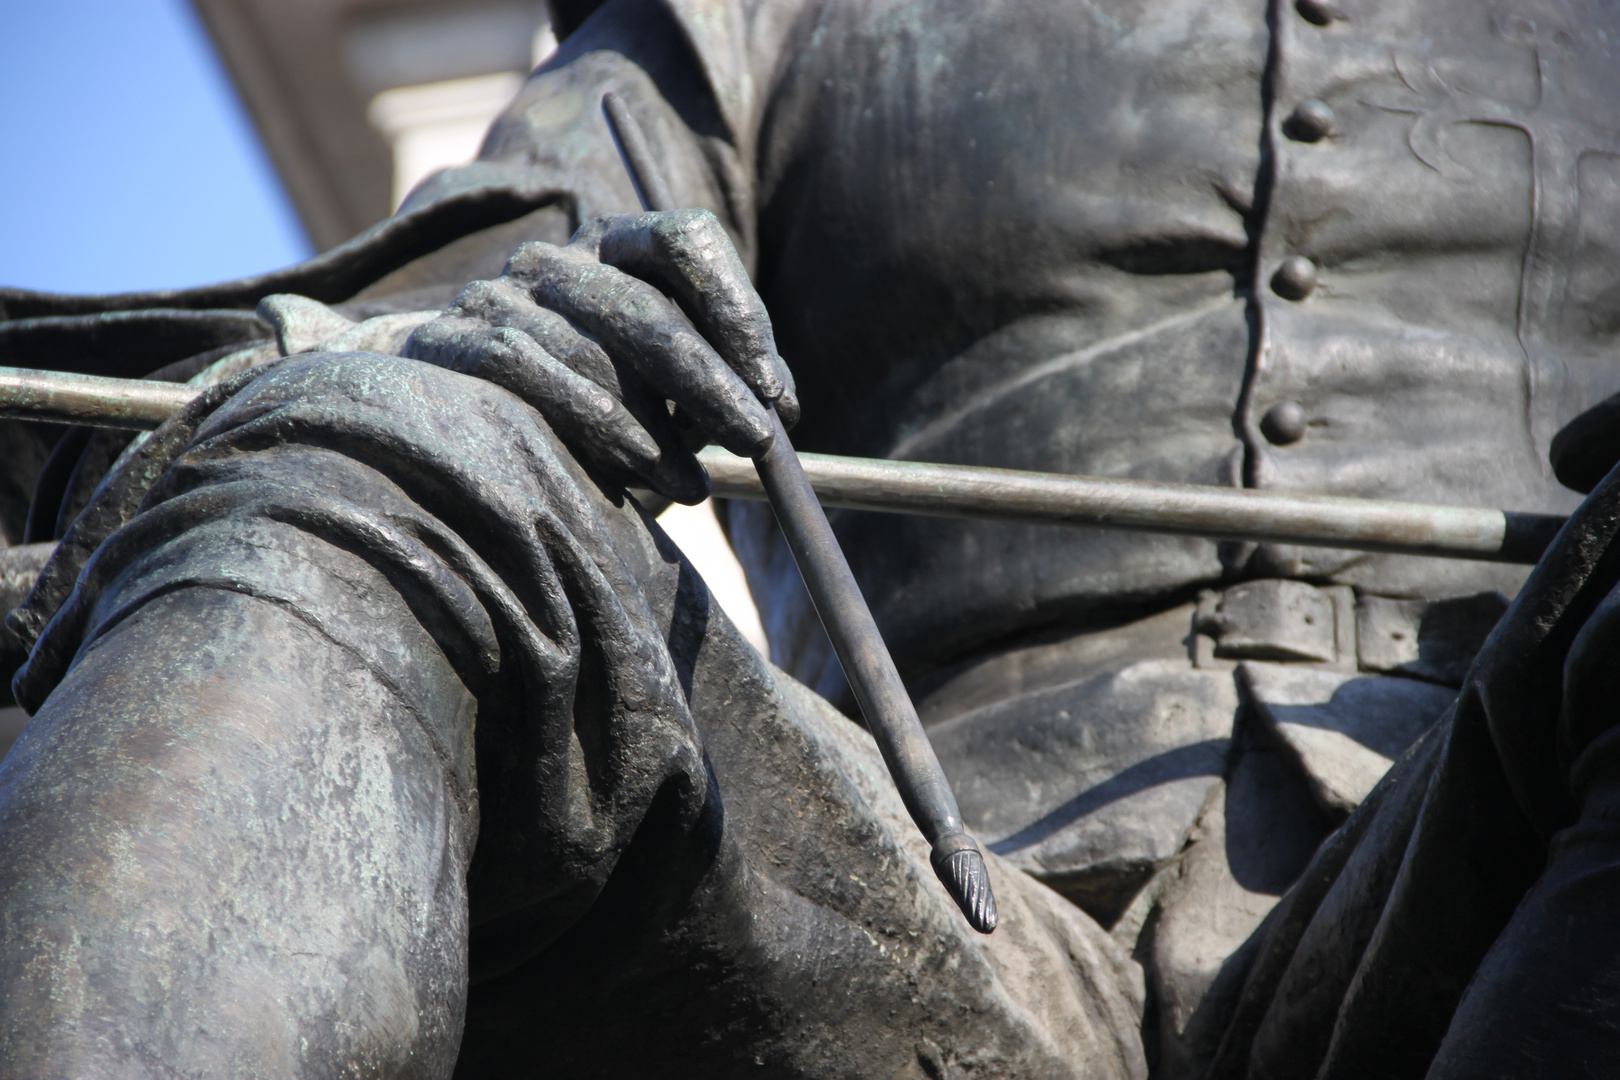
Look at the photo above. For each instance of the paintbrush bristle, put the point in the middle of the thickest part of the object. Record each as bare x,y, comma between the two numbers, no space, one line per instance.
966,879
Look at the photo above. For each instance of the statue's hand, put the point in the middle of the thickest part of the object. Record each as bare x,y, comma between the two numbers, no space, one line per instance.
636,311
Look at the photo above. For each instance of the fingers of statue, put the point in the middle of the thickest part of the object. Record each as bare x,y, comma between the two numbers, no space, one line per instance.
503,303
585,414
676,472
687,254
638,324
601,336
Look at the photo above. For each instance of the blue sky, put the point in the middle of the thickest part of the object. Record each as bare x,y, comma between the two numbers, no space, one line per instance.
126,159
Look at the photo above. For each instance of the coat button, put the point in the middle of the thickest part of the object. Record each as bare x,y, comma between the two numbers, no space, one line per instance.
1311,121
1295,279
1320,12
1283,423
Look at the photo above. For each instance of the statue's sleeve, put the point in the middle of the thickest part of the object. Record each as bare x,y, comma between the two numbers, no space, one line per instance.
696,74
330,471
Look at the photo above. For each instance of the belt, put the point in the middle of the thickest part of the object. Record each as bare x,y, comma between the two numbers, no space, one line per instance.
1332,626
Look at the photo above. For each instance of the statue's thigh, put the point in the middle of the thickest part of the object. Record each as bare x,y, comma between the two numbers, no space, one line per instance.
800,927
230,851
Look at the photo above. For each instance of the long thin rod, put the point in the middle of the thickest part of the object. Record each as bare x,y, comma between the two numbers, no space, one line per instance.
873,678
967,491
59,397
963,491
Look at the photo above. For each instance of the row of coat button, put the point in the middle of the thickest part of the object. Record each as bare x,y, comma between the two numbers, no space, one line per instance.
1295,278
1311,121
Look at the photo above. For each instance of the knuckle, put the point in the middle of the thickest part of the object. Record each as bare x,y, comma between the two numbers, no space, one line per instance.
676,230
440,342
530,257
505,343
477,296
436,331
589,235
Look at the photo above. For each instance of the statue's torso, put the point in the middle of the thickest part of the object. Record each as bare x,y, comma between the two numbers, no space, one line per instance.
1043,235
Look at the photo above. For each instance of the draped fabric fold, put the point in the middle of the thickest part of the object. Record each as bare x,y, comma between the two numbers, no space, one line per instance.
663,833
1368,965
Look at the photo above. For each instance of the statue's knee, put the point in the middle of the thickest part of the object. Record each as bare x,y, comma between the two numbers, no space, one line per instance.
358,383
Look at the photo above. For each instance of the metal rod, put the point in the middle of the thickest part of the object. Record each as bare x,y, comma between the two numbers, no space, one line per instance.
58,397
964,491
877,686
876,683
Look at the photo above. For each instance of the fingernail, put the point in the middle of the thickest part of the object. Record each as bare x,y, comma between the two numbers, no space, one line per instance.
787,407
682,478
770,384
762,445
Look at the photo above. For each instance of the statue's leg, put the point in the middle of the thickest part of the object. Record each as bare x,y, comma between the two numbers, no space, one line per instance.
230,850
813,940
367,576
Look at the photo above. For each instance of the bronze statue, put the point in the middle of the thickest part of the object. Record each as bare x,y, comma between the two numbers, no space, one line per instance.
378,729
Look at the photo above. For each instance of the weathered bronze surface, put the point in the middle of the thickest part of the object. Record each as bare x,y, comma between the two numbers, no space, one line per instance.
378,730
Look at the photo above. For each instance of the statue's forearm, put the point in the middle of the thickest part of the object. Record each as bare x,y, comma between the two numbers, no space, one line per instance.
228,850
